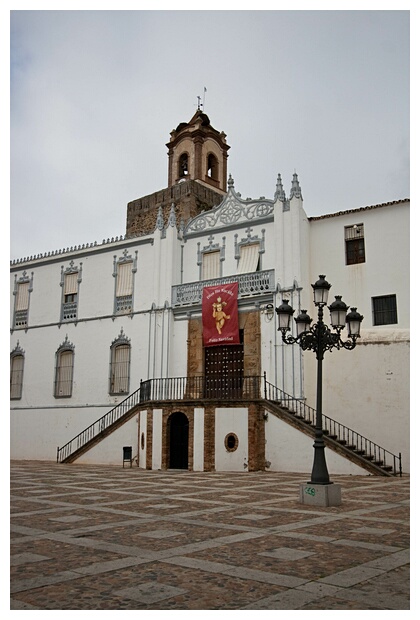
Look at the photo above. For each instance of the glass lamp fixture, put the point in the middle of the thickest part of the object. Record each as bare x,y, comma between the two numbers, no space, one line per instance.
303,323
353,320
284,313
321,288
338,311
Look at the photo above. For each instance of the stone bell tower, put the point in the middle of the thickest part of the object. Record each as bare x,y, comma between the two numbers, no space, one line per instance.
198,152
197,177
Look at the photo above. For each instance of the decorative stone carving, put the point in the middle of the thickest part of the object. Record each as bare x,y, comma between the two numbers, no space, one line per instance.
232,210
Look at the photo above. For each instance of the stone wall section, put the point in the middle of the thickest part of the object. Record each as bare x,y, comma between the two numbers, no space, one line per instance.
250,323
209,438
195,361
149,439
189,197
256,437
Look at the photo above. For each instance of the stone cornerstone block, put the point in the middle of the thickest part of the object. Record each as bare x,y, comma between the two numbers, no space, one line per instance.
320,494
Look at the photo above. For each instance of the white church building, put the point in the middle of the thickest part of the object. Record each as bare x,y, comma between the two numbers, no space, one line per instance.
110,358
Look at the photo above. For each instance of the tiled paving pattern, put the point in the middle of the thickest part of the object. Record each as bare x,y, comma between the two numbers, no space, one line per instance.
97,537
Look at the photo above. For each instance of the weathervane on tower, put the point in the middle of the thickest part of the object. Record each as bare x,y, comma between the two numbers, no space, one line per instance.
200,106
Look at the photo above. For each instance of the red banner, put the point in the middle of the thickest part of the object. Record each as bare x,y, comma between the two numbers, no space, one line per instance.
220,315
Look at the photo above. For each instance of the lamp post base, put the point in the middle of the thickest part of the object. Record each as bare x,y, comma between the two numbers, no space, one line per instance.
320,494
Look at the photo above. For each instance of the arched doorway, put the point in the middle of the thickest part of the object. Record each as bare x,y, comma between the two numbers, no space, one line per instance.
178,440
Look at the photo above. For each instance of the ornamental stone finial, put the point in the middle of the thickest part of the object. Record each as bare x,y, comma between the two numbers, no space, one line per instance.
295,191
159,220
279,193
172,216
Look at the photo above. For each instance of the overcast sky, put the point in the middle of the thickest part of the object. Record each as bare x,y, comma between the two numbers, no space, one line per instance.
95,95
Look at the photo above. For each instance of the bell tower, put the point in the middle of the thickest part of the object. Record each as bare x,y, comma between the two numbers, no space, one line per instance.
198,152
197,177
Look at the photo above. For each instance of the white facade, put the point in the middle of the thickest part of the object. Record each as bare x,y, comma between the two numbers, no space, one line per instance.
366,389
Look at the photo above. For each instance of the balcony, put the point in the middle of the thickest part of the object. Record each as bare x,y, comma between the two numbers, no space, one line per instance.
69,311
21,318
255,284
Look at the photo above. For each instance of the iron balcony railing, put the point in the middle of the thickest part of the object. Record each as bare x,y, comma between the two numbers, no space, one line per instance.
70,311
345,436
249,284
21,318
172,389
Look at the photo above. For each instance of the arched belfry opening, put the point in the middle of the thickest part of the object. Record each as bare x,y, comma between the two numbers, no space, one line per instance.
178,440
183,170
212,167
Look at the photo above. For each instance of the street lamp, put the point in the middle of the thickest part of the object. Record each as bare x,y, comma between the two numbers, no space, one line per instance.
320,338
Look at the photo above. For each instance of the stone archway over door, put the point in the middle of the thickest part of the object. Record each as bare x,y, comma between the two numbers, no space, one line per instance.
178,440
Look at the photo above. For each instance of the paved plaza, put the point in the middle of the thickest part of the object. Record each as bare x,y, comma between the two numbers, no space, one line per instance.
91,537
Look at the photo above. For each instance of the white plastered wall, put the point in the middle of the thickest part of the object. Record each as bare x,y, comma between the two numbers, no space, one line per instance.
157,439
198,463
288,449
143,431
110,450
231,420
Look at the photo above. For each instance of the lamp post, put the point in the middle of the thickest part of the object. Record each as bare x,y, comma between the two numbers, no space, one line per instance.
320,338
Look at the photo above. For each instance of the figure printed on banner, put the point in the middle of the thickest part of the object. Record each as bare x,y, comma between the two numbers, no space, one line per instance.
219,314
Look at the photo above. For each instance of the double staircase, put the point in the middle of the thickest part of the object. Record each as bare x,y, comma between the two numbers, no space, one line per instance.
343,440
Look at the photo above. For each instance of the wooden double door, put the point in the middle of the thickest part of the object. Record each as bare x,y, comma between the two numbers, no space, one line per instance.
224,370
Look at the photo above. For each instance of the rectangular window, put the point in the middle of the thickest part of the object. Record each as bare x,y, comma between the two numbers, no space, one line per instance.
384,310
124,288
355,244
22,304
249,258
211,265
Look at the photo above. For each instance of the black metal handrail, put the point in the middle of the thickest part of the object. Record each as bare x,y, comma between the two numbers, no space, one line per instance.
225,388
171,389
337,431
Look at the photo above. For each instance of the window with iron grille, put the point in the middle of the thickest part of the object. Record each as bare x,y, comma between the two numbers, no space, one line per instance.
17,360
22,291
384,310
124,270
70,281
64,363
355,244
119,379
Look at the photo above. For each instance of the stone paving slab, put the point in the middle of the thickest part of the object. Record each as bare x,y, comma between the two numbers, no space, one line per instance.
87,537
